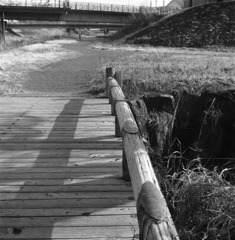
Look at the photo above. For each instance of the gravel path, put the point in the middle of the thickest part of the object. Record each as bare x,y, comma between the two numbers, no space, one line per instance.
68,76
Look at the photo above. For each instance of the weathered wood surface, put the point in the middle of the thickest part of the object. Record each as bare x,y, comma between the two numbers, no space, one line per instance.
115,94
155,222
60,171
110,72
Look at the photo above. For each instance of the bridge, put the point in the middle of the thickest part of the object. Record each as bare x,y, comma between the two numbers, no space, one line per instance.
65,25
65,11
74,14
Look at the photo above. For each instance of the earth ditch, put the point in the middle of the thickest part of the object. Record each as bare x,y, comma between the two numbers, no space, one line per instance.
190,140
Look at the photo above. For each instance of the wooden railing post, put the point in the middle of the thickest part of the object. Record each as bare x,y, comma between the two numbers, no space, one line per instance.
112,84
118,132
110,72
115,94
125,170
118,77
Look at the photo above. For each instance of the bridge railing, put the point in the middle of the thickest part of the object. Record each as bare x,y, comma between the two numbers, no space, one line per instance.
103,7
154,218
71,5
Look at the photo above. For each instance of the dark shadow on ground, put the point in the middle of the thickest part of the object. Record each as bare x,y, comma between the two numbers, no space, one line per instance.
69,177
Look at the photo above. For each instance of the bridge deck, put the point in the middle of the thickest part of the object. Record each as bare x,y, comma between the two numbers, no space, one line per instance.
60,171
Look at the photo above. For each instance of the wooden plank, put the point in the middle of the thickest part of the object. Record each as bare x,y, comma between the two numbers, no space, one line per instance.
66,203
67,105
61,123
62,181
55,107
59,111
111,232
66,130
45,99
55,127
66,102
74,117
60,153
63,161
46,134
65,188
80,221
92,238
62,164
66,195
43,102
52,212
27,116
52,126
60,170
12,175
42,140
59,146
49,118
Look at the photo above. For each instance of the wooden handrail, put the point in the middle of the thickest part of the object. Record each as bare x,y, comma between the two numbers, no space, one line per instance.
155,221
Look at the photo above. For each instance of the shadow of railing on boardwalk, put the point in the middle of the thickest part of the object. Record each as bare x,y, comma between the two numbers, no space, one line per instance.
47,189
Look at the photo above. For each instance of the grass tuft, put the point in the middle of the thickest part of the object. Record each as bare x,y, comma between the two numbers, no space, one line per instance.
203,204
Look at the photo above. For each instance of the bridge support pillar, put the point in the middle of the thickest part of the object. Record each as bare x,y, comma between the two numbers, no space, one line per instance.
80,33
3,28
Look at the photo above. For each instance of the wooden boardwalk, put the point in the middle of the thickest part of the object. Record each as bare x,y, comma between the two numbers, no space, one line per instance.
60,171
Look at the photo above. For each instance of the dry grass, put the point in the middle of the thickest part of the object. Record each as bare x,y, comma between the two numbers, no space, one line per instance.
203,204
166,69
31,37
16,64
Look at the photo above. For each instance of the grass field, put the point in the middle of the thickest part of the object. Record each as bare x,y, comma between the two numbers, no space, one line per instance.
168,69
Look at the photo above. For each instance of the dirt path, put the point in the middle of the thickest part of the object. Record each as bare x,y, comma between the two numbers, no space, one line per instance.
69,76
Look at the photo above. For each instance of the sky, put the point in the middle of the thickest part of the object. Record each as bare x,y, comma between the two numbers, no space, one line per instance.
129,2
